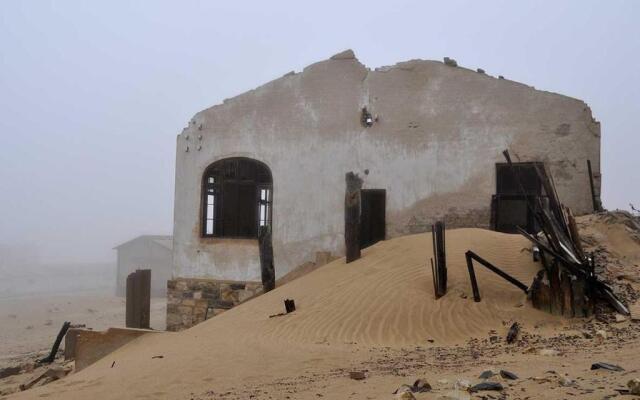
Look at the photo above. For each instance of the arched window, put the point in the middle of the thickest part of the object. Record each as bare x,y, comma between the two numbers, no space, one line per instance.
237,196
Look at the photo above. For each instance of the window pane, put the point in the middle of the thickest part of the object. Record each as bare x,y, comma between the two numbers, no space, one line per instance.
210,211
209,230
211,179
263,213
210,199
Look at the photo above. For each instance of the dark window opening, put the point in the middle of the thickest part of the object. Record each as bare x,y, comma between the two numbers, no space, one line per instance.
372,216
517,189
237,198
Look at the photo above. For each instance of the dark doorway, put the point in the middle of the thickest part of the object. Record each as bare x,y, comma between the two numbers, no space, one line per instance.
516,191
372,216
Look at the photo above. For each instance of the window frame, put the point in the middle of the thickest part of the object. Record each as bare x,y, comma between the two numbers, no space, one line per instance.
234,171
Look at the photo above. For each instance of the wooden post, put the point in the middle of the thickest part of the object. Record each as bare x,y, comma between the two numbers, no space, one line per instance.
472,276
138,304
567,295
267,269
439,267
352,216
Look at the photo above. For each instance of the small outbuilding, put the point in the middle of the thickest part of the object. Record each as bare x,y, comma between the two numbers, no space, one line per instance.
152,252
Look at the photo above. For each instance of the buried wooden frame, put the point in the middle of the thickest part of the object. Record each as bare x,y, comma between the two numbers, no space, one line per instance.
470,256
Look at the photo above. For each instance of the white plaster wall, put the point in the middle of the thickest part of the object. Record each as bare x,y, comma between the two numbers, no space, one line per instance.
144,254
439,133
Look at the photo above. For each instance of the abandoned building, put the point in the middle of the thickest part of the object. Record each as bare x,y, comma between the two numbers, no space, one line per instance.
152,252
425,137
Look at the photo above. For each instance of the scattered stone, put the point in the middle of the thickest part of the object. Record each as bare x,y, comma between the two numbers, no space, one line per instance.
564,381
634,386
403,388
607,366
486,386
443,381
487,374
480,71
548,352
421,386
357,375
620,318
406,395
462,384
508,375
512,335
601,335
157,357
450,62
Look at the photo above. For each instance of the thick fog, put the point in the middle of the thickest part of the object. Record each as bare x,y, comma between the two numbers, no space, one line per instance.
92,94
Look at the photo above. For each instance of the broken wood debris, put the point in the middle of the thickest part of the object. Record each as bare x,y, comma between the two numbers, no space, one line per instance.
439,267
289,305
567,285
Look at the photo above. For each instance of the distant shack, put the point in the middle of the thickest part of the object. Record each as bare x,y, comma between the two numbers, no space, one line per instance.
152,252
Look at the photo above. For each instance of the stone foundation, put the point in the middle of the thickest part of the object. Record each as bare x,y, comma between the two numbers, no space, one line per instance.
191,301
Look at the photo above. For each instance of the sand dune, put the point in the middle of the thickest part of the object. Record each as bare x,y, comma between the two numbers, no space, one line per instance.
384,299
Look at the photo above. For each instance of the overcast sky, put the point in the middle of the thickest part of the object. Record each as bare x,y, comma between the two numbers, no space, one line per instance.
92,94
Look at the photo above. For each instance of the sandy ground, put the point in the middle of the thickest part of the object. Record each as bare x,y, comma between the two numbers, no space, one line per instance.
30,324
379,315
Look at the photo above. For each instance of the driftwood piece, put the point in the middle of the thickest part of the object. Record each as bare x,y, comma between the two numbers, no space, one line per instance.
352,216
267,269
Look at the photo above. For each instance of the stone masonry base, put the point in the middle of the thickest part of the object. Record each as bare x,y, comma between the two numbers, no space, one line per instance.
191,301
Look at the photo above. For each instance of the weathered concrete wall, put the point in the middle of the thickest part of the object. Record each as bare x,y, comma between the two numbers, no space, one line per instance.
439,133
191,301
144,253
90,346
